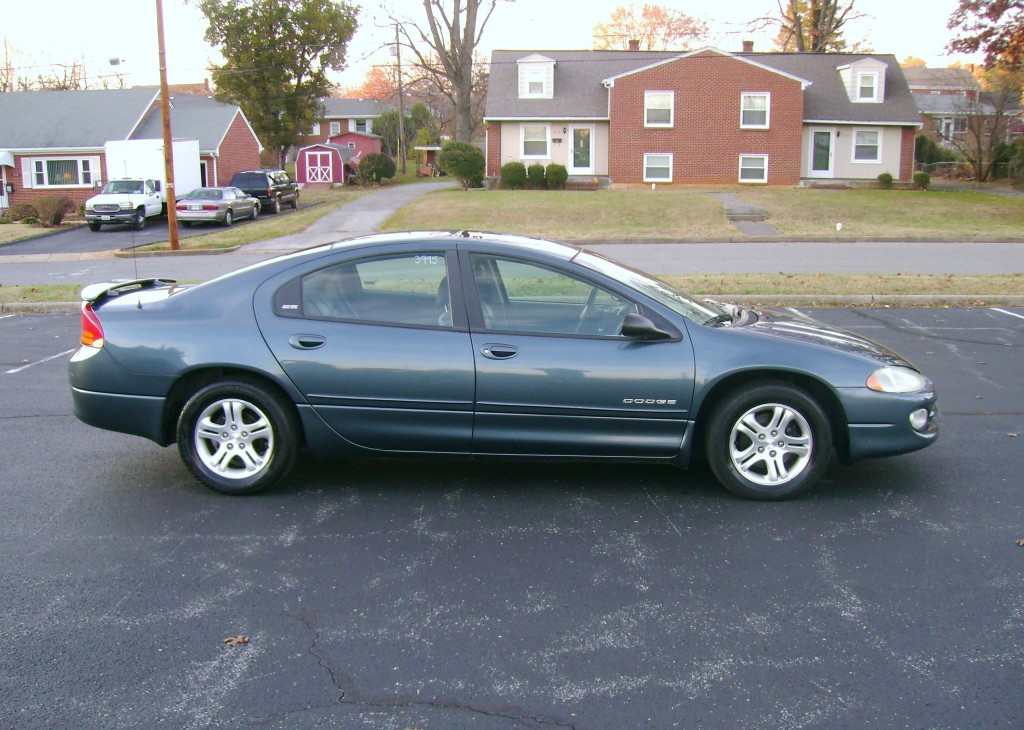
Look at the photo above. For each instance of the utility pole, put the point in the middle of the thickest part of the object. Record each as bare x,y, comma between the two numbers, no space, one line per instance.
401,104
165,115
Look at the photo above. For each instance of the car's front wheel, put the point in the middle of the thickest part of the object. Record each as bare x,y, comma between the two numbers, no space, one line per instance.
237,437
770,441
139,220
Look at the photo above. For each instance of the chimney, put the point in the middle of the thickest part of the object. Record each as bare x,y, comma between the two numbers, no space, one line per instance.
748,46
634,44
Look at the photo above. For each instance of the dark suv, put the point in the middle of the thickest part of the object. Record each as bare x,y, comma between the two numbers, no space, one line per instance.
272,187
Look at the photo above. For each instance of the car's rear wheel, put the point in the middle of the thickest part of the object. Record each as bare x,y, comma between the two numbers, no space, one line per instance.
186,224
295,202
770,441
228,217
237,437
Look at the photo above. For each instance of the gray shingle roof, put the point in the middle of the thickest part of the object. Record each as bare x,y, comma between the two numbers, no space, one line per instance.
192,117
579,93
941,79
70,119
353,108
950,105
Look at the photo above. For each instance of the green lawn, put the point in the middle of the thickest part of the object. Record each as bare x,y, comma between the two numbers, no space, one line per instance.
690,214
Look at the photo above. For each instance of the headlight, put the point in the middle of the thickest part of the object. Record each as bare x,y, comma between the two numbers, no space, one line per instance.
897,380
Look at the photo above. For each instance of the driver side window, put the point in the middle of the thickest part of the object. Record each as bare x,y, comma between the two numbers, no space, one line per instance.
525,297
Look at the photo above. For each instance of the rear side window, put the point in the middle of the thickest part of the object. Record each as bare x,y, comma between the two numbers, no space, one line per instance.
249,180
403,290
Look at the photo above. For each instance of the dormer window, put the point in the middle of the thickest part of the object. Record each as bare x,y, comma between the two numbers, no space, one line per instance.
536,77
867,86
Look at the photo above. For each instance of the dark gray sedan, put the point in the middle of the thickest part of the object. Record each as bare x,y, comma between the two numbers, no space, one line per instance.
223,205
487,346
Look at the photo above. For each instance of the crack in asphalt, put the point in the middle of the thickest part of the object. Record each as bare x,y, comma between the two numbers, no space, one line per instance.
345,684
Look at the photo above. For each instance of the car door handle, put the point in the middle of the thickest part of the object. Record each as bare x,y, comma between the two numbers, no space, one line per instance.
307,342
499,352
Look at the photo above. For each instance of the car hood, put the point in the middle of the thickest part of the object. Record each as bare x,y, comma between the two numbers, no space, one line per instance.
792,327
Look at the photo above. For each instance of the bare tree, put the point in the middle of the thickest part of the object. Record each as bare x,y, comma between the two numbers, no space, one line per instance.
656,27
984,121
810,26
443,49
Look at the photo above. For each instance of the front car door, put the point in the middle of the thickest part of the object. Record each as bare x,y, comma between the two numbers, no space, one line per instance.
378,346
554,376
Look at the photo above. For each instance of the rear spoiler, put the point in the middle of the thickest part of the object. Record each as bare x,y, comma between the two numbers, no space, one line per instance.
97,292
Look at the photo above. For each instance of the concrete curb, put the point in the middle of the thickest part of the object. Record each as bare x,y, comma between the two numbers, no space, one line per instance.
761,300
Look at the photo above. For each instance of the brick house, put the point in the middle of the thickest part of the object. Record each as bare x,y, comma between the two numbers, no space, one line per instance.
946,98
701,117
52,142
342,116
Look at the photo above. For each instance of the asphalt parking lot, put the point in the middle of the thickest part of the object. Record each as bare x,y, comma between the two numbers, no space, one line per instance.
443,594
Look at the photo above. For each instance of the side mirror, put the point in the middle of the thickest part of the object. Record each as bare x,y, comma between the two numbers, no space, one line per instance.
638,327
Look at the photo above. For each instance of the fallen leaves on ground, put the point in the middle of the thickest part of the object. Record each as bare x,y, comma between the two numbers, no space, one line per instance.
236,640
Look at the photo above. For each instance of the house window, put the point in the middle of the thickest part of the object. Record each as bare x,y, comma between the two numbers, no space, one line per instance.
316,128
657,167
658,108
867,145
754,111
753,168
62,172
360,125
535,140
335,128
867,87
535,80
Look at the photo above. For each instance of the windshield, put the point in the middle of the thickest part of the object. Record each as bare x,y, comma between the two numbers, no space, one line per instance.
123,186
205,194
693,309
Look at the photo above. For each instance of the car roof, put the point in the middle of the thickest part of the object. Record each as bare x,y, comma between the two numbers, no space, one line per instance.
525,244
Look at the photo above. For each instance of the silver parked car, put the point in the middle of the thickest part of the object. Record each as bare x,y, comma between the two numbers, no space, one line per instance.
222,205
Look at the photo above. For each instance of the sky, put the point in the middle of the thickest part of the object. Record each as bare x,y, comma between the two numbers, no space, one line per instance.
97,31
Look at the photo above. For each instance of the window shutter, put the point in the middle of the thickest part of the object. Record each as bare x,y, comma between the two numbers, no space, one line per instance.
27,178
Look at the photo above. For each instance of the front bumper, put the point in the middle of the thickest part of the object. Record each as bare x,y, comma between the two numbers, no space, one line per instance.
121,216
879,423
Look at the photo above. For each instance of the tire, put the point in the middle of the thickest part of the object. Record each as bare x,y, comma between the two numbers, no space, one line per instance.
237,437
255,211
276,206
769,441
138,220
94,227
295,202
186,224
228,217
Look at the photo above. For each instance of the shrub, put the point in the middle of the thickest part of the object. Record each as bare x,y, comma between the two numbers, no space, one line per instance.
376,167
885,181
922,180
556,175
52,209
463,161
19,211
30,220
535,173
4,220
513,175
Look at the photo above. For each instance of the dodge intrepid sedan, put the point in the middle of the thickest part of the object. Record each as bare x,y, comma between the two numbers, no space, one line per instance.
483,346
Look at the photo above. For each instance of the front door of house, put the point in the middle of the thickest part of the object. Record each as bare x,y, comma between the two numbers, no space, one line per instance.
822,152
581,156
4,203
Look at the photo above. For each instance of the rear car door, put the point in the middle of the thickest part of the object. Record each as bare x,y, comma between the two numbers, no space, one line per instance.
555,377
376,347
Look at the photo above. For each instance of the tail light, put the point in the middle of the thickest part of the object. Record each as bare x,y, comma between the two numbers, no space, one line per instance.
270,192
92,330
181,206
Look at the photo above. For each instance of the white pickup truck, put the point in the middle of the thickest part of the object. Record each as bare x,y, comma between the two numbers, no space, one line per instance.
124,201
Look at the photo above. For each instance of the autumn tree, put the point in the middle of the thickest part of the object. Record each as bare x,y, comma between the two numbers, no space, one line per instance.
277,56
810,26
379,84
994,27
443,49
656,27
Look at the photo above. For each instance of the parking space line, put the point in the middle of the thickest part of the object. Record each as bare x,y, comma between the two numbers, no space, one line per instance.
39,362
1012,314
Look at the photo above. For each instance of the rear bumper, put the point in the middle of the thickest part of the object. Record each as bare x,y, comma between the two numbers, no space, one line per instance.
138,415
